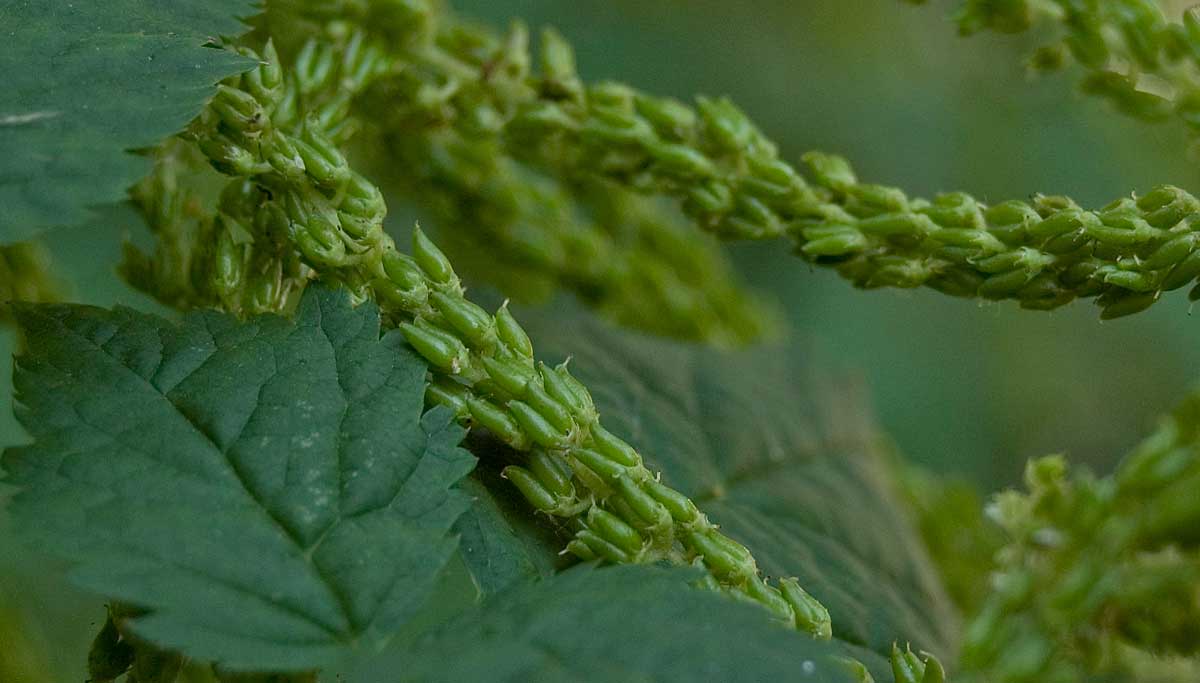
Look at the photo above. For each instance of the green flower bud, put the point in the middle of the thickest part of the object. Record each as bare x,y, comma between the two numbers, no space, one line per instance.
681,508
1012,212
725,558
229,265
554,412
1165,206
605,468
511,376
446,392
611,128
265,81
646,507
835,245
402,270
613,447
681,161
768,597
1121,231
536,426
1172,251
1022,258
323,162
498,421
833,172
565,389
1129,279
552,473
363,199
558,66
319,240
469,320
530,488
543,117
726,125
511,333
934,671
431,259
871,200
612,96
614,530
908,224
581,550
957,282
239,110
856,670
230,158
439,347
1004,285
1120,305
906,668
282,155
602,547
709,198
811,616
671,118
898,271
407,300
1184,272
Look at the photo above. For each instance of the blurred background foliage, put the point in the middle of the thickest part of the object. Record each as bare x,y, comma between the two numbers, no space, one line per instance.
962,388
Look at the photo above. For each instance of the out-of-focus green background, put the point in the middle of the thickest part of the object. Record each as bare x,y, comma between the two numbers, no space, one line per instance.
961,387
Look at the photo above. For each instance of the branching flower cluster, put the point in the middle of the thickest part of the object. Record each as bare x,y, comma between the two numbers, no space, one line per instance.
596,188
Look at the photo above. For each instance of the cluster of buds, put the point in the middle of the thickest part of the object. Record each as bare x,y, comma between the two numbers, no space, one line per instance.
1096,569
293,203
1135,34
446,112
731,182
486,371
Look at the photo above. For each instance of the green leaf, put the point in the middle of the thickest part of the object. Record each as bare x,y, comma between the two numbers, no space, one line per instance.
780,456
268,489
619,624
501,542
85,81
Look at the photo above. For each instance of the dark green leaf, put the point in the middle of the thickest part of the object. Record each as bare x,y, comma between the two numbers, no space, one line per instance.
501,542
85,81
783,459
619,625
268,489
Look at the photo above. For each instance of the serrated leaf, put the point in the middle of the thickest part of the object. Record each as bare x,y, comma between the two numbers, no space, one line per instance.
85,81
268,489
618,625
782,458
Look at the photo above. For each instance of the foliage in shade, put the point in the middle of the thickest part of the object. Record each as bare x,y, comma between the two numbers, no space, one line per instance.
577,627
268,489
95,79
778,455
499,544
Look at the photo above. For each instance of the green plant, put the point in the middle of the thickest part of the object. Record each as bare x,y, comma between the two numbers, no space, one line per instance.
277,486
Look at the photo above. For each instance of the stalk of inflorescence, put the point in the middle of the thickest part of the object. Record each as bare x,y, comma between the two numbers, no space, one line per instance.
729,178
